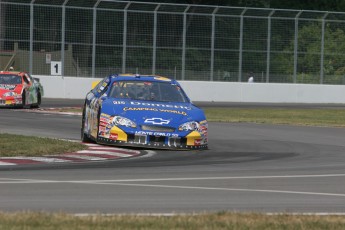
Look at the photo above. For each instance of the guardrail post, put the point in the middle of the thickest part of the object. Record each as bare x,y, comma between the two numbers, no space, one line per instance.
322,48
184,34
124,37
154,53
63,37
31,54
94,37
241,47
296,47
268,60
213,41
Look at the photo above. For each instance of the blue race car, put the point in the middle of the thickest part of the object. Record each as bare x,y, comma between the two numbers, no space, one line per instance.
142,111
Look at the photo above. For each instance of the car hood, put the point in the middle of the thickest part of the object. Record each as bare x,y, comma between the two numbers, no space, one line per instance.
153,112
4,88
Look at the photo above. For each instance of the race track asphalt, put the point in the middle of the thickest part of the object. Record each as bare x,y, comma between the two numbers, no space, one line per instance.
249,167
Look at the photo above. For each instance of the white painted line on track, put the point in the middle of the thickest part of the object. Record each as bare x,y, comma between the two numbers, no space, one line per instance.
40,159
114,149
84,157
179,187
103,152
220,178
150,153
5,163
24,181
203,178
121,183
226,189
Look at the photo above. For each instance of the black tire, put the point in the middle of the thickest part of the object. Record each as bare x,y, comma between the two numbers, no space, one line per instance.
98,119
39,100
84,137
23,100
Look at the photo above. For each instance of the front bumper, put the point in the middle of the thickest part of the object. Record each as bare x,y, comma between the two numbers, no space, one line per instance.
118,137
160,144
10,102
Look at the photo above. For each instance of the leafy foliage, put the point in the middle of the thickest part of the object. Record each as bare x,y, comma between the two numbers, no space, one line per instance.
309,51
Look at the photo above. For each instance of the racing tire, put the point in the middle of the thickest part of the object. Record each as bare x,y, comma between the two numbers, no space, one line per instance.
98,119
84,137
23,100
39,100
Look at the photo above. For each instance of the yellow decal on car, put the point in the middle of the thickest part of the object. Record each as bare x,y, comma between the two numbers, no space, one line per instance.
162,78
193,138
94,83
118,133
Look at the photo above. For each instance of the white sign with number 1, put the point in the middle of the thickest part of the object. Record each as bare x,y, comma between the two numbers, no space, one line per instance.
55,67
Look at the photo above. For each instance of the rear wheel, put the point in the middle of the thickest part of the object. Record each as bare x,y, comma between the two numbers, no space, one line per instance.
39,99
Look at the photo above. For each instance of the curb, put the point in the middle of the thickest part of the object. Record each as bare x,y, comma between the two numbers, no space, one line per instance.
55,111
95,152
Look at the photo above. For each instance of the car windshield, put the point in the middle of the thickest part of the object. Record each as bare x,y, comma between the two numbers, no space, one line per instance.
147,90
10,79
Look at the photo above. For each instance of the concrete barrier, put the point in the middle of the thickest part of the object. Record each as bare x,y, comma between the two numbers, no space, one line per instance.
76,88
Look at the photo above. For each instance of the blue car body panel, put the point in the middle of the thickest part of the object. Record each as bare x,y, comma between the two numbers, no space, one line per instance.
119,120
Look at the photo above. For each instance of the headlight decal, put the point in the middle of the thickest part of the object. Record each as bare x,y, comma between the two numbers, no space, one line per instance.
10,94
122,121
189,126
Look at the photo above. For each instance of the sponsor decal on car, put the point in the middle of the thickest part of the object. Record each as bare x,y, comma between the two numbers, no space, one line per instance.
113,136
155,110
157,121
139,109
160,105
151,133
119,102
7,87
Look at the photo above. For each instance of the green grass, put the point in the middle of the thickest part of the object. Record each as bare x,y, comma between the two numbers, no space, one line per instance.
334,117
310,117
221,220
18,145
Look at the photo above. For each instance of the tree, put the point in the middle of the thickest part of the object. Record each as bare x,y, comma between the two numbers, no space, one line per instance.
309,53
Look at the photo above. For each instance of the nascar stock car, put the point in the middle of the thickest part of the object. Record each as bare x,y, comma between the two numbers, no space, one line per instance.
142,111
19,89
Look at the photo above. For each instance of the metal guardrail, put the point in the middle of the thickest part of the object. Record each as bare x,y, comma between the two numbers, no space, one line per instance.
185,42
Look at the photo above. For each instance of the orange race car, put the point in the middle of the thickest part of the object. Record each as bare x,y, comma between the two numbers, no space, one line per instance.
19,89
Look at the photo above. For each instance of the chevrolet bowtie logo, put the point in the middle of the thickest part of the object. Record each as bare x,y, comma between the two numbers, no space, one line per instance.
157,121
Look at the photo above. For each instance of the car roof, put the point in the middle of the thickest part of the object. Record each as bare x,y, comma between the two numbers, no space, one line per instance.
139,77
12,72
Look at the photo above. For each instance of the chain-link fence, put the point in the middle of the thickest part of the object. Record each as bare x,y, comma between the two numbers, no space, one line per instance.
186,42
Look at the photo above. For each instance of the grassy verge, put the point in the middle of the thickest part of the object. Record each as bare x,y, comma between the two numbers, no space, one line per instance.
311,117
217,221
18,145
334,117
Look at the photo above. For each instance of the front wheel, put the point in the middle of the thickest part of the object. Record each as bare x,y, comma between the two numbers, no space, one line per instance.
84,137
23,100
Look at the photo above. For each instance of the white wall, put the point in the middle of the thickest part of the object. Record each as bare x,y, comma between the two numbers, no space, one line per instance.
76,88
